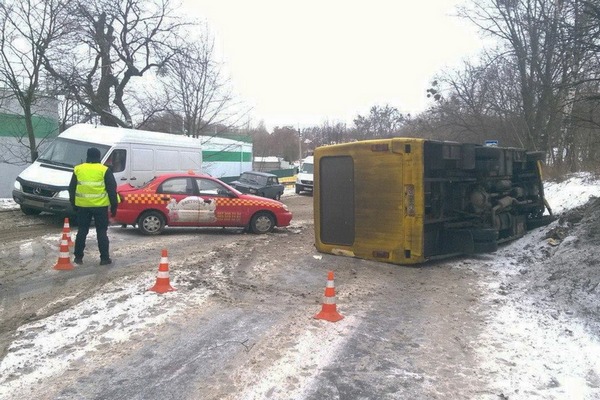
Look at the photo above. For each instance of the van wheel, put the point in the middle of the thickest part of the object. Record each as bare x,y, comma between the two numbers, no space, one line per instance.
297,189
151,223
278,196
262,222
30,211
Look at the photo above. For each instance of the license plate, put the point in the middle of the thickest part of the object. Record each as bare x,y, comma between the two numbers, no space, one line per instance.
34,203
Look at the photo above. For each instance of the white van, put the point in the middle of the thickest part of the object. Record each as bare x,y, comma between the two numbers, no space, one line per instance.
304,179
135,157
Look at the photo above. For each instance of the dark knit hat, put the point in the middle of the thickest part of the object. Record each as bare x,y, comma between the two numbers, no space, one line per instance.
93,155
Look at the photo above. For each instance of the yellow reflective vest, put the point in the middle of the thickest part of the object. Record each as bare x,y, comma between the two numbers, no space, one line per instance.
91,191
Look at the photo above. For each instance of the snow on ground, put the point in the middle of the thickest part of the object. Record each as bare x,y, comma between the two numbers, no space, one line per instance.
571,193
533,347
8,204
531,351
525,352
119,311
314,350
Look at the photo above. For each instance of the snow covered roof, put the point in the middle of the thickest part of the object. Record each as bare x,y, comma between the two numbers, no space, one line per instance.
110,135
270,159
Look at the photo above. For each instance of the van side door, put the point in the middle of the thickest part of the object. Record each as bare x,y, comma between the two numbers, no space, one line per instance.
143,161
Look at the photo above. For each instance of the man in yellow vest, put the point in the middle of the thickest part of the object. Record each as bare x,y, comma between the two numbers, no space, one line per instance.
92,191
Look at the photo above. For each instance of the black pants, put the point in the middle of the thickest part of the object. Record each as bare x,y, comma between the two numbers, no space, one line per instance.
84,219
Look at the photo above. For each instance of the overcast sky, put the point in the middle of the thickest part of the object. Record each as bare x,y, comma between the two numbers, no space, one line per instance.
302,63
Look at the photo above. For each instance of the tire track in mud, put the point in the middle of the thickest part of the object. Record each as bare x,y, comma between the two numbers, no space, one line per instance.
14,225
231,271
42,292
30,290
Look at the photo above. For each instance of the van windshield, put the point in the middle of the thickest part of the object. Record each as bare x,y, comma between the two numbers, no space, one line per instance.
69,153
307,168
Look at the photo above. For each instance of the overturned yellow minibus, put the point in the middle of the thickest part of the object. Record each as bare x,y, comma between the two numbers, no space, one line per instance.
406,200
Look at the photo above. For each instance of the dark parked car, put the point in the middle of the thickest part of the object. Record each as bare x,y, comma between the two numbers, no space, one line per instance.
260,184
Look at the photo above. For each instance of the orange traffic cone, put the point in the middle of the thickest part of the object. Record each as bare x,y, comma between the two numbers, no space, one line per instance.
162,284
329,311
64,259
66,232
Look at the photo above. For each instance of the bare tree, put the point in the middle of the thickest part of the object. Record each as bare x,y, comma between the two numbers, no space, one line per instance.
199,90
326,133
164,121
480,101
383,121
534,38
541,84
116,42
28,28
153,111
579,142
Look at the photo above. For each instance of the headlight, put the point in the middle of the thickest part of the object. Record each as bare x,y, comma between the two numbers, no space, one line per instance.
17,185
63,194
285,207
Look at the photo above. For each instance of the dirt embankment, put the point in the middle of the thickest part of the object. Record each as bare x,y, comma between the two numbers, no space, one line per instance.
568,279
573,274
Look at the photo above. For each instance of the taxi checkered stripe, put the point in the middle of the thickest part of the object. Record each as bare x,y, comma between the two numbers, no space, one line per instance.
151,198
145,198
240,202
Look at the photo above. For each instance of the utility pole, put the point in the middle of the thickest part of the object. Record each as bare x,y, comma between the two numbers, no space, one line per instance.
299,144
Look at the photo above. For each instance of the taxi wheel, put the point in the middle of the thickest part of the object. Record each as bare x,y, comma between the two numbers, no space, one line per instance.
262,222
151,223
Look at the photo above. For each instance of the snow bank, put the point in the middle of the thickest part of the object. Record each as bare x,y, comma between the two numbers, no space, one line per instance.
539,341
8,204
572,192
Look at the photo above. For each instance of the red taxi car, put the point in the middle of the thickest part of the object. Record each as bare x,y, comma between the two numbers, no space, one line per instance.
196,200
